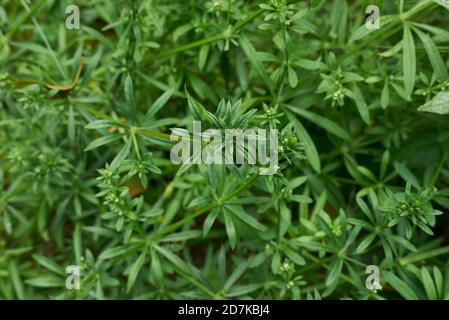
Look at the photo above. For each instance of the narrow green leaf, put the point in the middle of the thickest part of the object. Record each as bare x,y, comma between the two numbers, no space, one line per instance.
155,267
292,77
406,174
238,272
404,242
49,264
294,256
181,236
362,107
428,284
174,259
112,253
129,92
439,104
365,243
408,60
121,155
230,229
439,281
134,271
16,280
49,281
242,215
250,53
400,286
443,3
437,62
385,97
334,274
285,217
158,104
102,141
202,56
100,124
210,219
309,146
321,121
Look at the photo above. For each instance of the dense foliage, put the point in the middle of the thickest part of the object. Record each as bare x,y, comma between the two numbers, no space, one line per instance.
86,177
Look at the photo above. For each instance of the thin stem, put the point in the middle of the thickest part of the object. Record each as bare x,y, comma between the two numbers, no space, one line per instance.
191,45
199,285
208,40
136,145
424,255
440,167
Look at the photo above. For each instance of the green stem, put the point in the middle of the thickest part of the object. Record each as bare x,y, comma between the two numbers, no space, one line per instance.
423,256
154,134
191,45
440,167
198,285
136,145
247,20
208,40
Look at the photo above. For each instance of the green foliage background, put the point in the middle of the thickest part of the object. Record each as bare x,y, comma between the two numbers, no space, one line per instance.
86,177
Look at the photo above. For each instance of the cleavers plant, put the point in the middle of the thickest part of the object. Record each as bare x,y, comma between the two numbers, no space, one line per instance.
86,177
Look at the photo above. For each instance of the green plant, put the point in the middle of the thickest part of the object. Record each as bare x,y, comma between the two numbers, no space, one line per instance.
85,138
